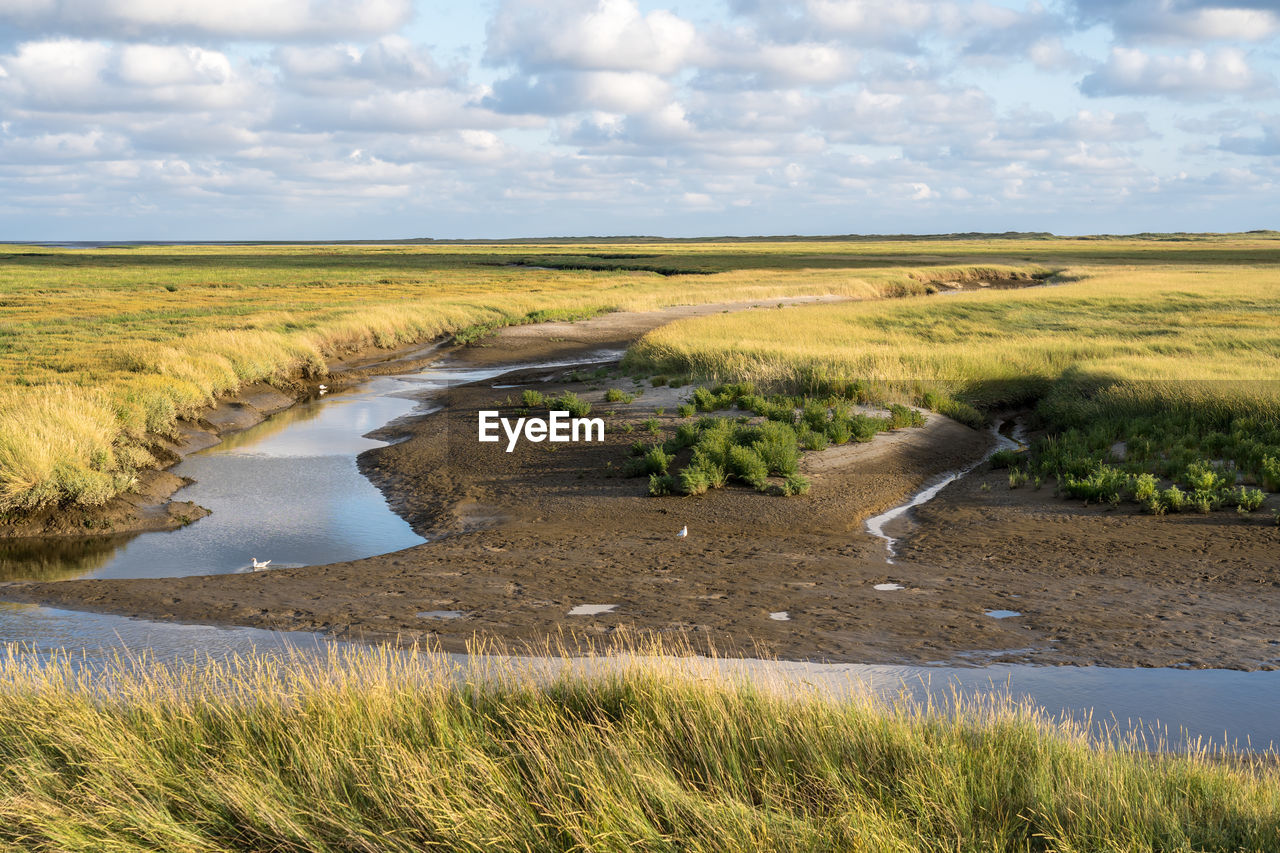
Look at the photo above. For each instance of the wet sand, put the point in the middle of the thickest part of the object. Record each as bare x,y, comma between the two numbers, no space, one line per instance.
520,539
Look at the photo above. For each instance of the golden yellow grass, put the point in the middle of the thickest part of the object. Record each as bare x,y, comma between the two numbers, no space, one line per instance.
382,750
1174,332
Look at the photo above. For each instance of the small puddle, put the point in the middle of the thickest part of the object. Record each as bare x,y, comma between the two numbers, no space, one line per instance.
1002,614
780,616
888,587
1008,436
592,609
440,614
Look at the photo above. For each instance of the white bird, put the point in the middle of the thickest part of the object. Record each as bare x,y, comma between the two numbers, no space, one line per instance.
324,389
257,565
684,531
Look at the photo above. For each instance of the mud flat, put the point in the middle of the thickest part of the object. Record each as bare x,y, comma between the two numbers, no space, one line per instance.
520,541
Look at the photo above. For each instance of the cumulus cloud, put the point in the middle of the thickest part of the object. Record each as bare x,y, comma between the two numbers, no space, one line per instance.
192,19
893,25
1194,21
391,62
1196,74
560,93
78,75
784,64
596,35
1260,142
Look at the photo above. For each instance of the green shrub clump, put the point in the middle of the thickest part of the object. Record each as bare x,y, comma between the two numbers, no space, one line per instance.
617,395
755,449
571,403
654,460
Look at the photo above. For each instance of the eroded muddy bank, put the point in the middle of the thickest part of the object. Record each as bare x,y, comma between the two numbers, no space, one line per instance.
148,508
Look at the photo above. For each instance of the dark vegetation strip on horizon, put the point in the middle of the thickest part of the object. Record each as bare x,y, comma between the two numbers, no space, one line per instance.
654,238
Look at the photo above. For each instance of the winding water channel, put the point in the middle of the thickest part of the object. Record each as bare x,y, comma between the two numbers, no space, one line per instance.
289,490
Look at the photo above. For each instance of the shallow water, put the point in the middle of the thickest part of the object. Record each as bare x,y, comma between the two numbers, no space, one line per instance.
592,609
1227,709
94,639
881,525
287,490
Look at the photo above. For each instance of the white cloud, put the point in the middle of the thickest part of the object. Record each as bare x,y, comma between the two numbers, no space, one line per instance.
230,19
58,147
1196,74
558,93
1261,141
77,75
1187,21
1050,54
783,64
599,35
921,192
391,62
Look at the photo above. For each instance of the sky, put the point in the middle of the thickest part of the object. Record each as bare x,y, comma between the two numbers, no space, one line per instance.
383,119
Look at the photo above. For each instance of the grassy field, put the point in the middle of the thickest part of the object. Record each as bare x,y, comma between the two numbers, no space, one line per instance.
102,350
375,751
1178,362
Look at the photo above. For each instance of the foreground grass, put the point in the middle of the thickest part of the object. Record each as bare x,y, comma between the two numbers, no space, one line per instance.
376,751
1181,364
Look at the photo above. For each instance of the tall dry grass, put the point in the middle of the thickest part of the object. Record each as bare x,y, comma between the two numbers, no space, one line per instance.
378,750
1170,330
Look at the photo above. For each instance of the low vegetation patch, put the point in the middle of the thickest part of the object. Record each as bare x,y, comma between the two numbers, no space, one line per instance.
617,395
567,401
387,751
760,450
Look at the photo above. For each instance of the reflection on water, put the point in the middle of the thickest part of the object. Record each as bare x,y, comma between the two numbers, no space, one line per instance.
287,490
55,560
94,640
